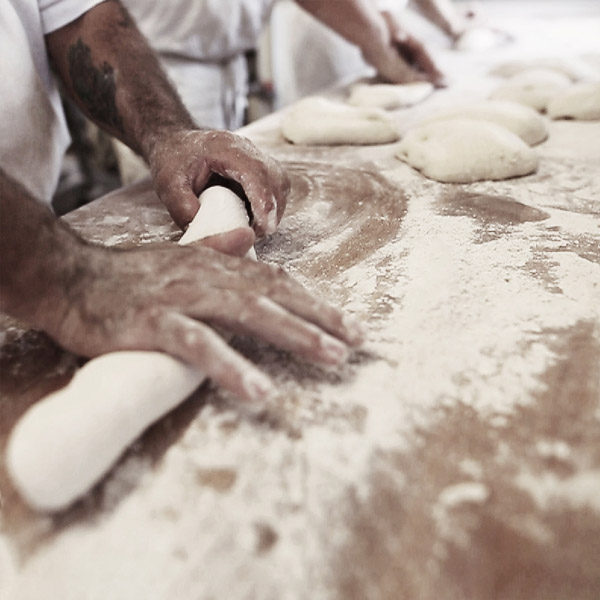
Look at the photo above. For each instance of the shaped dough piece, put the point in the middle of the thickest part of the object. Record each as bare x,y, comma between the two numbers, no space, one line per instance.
532,87
320,121
66,442
521,120
389,96
466,150
580,102
573,69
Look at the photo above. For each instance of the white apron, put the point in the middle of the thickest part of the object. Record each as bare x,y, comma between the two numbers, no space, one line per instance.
202,45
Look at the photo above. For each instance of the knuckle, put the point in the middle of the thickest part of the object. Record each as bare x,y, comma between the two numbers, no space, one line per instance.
277,280
154,319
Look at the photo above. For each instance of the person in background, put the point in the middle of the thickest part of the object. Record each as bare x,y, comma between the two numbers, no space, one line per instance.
93,299
444,15
311,57
202,45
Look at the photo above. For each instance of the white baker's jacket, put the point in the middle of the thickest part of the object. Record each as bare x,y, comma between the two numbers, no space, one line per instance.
202,44
33,130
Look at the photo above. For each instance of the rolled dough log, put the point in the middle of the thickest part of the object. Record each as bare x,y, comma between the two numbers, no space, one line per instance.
66,442
521,120
466,150
580,102
389,96
532,87
320,121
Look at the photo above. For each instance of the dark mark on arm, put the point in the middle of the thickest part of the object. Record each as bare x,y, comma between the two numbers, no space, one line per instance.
95,86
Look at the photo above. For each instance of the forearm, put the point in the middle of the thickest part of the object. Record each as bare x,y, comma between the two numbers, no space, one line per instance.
39,258
357,21
443,14
108,68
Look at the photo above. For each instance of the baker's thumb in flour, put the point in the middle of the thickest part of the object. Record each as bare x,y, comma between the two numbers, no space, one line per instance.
67,441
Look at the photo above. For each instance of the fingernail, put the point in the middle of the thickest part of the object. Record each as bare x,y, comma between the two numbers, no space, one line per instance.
258,386
333,350
354,329
272,221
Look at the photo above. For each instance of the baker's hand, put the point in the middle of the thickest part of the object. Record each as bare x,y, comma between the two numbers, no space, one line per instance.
182,162
406,60
167,299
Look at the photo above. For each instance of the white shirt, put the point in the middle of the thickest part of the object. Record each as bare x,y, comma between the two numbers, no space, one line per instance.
33,131
201,44
205,30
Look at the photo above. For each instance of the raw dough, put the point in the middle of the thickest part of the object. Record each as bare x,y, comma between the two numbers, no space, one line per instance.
522,120
389,96
573,69
317,120
66,442
466,150
580,102
532,87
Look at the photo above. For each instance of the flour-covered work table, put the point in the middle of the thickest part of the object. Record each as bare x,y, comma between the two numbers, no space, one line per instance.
456,456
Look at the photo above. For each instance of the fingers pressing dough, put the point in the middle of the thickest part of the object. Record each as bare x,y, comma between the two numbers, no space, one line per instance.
66,442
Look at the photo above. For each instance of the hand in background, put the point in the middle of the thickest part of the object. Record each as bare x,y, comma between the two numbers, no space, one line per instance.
408,60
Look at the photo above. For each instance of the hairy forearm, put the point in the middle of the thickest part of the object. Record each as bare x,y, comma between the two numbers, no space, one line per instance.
355,20
443,14
107,66
39,257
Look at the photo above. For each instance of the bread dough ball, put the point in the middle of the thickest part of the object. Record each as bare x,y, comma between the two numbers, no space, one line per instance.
389,96
541,76
316,120
572,69
520,119
466,150
580,102
532,87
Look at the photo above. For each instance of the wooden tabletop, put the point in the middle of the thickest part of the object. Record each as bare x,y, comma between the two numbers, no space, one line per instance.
457,456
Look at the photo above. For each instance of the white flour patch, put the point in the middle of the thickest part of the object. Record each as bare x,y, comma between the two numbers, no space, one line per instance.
548,490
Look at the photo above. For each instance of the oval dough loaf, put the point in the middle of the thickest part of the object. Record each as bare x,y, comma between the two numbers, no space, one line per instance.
572,68
532,87
466,150
521,120
389,96
580,102
320,121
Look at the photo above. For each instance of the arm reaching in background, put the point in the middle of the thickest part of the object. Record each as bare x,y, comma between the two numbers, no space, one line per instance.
397,56
444,15
108,68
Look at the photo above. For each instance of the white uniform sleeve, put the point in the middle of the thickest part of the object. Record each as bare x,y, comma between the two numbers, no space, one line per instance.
57,13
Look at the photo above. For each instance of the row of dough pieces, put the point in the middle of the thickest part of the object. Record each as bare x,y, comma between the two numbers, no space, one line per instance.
487,140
